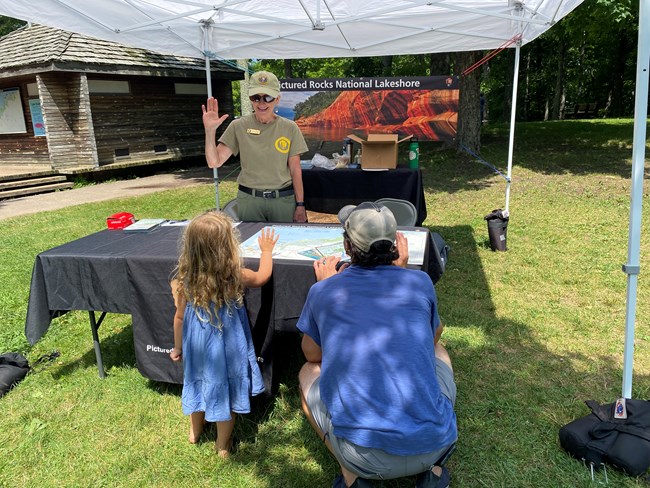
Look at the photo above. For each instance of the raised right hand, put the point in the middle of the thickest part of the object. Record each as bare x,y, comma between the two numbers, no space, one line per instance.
211,119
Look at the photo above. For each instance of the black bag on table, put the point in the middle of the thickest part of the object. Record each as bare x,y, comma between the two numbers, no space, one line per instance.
603,438
13,368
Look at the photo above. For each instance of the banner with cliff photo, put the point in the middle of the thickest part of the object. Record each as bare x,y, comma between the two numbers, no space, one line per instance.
328,109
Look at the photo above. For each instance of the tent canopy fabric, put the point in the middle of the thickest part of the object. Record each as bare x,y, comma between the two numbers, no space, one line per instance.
294,29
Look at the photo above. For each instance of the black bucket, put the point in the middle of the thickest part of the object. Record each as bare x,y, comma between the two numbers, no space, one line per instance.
497,222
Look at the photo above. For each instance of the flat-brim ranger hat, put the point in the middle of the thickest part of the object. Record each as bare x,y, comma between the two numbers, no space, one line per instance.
368,223
263,83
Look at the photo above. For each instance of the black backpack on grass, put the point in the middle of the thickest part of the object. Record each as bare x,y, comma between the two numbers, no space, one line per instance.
13,368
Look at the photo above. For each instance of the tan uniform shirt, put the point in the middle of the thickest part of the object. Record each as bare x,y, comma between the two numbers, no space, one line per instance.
264,150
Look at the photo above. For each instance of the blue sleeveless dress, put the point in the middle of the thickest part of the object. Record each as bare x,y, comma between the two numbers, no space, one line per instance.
220,371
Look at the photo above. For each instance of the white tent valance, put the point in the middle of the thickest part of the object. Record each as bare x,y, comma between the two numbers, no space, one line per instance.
294,29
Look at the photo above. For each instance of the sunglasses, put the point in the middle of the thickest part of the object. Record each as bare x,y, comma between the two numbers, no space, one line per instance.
259,98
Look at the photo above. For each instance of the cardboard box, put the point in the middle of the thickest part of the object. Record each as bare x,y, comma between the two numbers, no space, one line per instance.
379,151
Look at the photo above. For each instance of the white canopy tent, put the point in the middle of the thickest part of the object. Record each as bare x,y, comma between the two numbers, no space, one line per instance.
295,29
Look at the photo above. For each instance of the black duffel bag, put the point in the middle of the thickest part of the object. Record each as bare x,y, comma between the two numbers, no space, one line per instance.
13,368
603,437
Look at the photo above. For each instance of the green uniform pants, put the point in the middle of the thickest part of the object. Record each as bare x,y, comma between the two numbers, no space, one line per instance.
258,209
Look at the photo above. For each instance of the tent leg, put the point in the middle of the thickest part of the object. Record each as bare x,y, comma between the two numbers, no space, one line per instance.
636,192
513,114
215,172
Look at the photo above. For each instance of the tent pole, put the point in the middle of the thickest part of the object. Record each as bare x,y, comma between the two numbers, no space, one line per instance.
513,113
632,267
215,173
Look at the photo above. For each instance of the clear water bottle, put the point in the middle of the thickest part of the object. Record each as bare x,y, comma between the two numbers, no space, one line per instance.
347,147
414,154
357,159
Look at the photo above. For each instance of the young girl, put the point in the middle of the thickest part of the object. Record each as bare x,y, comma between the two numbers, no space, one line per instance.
211,331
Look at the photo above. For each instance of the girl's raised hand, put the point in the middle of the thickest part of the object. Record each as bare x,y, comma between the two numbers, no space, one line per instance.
267,239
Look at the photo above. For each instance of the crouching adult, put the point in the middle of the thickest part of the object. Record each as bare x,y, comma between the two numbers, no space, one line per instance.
377,387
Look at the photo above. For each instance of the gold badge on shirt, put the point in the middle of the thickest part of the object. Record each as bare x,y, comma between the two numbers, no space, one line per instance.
255,132
282,144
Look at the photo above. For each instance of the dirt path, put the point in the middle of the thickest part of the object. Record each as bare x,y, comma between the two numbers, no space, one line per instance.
16,207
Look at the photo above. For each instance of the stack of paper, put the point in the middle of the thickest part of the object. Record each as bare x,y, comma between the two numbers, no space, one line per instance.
144,225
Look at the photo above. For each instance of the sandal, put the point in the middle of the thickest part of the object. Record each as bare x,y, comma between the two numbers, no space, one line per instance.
430,480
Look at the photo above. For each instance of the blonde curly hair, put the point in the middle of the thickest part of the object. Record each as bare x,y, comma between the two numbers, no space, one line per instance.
209,266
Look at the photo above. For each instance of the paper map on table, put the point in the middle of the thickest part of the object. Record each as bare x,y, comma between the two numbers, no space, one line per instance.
314,242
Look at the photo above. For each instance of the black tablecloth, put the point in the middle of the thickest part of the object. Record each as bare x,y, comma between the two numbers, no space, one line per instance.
327,191
115,271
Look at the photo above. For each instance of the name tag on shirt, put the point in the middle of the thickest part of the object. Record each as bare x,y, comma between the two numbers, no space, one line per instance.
255,132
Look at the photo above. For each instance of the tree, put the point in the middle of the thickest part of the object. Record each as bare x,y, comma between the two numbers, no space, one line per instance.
469,105
7,25
305,68
387,65
616,47
439,64
288,68
589,56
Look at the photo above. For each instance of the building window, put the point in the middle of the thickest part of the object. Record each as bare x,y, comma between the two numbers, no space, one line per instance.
122,152
160,148
109,86
191,89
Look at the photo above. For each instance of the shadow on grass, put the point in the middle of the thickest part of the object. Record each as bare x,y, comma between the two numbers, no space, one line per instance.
514,394
118,350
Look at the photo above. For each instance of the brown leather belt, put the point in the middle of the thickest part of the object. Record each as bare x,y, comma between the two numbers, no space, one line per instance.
283,192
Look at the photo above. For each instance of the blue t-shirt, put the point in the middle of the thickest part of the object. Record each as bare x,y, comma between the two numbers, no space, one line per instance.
375,327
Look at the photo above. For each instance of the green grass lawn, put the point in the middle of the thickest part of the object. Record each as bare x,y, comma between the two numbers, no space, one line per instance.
533,332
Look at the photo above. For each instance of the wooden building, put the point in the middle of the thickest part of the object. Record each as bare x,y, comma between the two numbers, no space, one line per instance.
74,103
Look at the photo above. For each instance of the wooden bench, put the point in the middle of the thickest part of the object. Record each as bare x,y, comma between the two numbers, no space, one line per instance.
582,111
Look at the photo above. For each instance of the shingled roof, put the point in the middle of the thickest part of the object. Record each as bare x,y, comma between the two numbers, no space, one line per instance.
38,48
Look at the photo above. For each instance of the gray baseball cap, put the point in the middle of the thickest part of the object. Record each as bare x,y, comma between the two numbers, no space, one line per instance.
368,223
